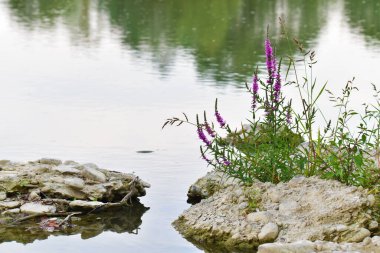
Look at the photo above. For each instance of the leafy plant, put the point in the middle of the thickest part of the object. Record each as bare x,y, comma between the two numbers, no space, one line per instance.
273,147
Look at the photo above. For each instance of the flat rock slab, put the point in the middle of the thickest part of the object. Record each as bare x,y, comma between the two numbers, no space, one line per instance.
37,208
50,185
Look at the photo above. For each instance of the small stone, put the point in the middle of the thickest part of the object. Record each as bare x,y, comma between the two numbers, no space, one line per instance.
376,240
358,235
67,169
74,182
36,208
11,211
9,204
92,173
341,228
85,205
3,195
268,233
367,241
34,196
261,217
298,247
373,225
243,205
371,200
50,161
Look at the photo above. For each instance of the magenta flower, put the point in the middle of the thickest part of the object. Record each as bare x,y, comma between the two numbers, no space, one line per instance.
202,136
255,90
220,120
288,117
226,162
270,60
277,87
209,129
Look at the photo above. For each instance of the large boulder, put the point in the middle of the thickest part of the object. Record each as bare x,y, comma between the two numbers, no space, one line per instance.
236,216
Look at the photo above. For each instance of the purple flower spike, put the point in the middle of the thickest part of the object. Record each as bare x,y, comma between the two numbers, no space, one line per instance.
209,130
255,90
270,60
277,88
220,120
203,137
288,117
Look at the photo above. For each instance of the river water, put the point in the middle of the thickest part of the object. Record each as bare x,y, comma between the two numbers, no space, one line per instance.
94,80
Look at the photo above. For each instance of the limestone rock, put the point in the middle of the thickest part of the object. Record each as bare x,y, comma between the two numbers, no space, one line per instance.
357,235
11,211
296,247
261,217
269,232
84,205
3,195
67,169
74,182
9,204
92,173
50,161
36,208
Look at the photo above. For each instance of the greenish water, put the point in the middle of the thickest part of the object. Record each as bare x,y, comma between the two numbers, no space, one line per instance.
94,80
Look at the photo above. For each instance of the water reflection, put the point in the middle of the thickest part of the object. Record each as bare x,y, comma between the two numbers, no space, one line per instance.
224,37
122,220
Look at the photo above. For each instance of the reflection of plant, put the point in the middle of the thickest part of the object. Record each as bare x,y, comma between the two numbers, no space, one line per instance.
271,148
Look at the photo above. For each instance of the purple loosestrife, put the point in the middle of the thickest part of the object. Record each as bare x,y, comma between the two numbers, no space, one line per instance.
277,87
202,136
209,129
270,61
288,117
205,158
220,120
226,162
255,90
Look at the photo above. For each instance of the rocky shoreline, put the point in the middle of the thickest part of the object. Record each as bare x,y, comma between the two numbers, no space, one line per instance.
52,187
302,215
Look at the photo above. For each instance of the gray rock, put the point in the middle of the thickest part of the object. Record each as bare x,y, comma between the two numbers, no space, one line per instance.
9,204
57,190
371,200
3,195
50,161
269,232
376,240
296,247
11,211
373,225
37,208
288,207
92,173
74,182
357,235
67,169
84,205
261,217
34,196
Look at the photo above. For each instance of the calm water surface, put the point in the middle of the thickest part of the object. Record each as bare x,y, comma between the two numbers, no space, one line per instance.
93,81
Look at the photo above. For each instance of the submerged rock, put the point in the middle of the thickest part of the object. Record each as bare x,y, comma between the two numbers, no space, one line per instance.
307,209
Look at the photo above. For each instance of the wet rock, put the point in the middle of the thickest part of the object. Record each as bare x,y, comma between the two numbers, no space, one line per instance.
268,233
50,161
80,205
9,204
74,182
37,208
91,172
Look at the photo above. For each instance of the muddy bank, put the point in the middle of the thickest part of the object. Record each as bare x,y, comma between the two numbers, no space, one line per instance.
235,217
52,188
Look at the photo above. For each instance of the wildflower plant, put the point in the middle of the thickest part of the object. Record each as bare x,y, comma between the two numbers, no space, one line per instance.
279,143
